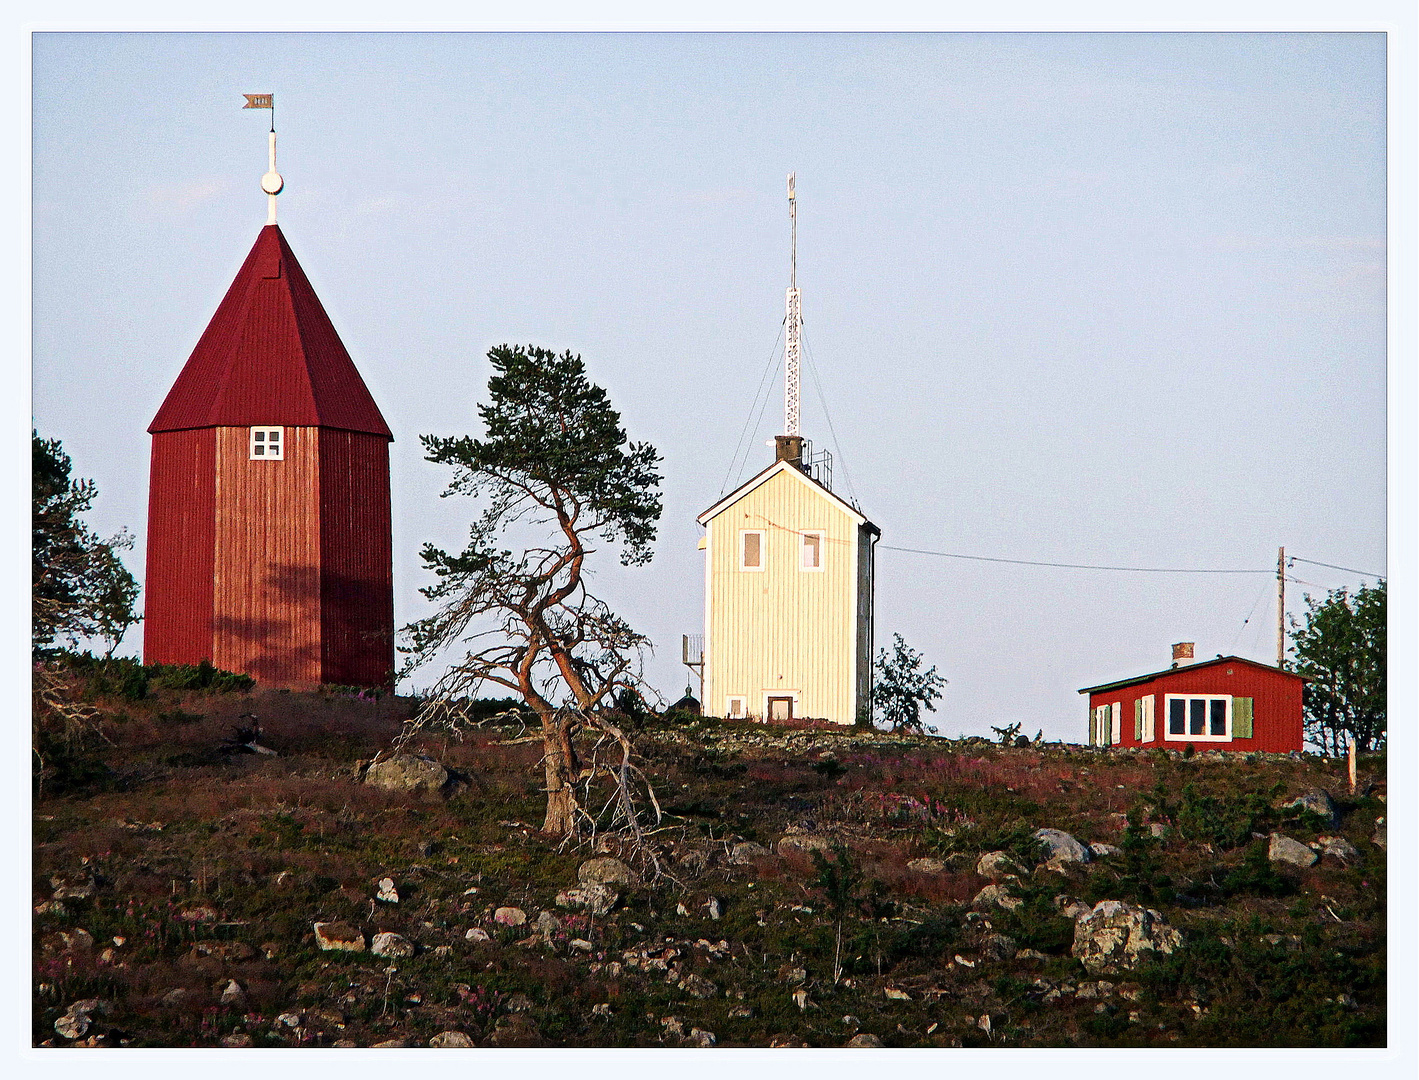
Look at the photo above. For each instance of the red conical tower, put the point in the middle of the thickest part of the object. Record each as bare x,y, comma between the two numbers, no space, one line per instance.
269,548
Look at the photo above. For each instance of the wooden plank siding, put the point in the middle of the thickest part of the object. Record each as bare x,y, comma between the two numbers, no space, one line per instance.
1277,721
356,560
783,630
267,566
177,585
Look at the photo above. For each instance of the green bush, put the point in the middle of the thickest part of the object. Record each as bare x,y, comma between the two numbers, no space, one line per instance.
203,676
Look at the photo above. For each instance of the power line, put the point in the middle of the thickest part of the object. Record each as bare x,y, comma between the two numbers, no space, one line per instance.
770,365
822,400
1075,566
1332,566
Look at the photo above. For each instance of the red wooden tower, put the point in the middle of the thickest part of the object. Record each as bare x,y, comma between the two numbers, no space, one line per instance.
269,548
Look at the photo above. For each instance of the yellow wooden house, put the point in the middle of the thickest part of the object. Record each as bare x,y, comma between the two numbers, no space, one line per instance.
788,598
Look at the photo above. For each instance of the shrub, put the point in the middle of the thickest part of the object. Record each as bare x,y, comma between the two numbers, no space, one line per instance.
203,676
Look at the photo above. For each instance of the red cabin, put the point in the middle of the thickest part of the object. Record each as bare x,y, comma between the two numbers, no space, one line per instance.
1229,703
269,546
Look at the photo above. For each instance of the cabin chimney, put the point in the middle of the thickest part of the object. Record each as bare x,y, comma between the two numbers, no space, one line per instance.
789,448
1182,653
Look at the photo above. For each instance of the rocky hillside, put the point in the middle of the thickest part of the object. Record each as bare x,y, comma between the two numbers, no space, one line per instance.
804,888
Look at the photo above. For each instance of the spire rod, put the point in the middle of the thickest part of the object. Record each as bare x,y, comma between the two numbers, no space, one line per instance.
271,182
794,321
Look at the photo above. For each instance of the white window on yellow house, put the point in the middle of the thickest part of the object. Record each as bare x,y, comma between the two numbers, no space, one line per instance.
751,549
812,551
266,442
734,708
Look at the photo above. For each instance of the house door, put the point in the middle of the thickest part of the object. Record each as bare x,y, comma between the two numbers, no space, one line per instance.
780,709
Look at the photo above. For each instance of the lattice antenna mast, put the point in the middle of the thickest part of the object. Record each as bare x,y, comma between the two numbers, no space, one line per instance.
793,334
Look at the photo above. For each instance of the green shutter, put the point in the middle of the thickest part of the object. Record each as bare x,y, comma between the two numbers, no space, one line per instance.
1241,718
1093,720
1138,720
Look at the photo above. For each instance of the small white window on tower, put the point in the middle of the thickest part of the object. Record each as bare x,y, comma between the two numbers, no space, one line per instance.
812,551
751,549
266,442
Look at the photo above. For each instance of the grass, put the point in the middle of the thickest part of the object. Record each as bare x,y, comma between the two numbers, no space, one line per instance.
210,866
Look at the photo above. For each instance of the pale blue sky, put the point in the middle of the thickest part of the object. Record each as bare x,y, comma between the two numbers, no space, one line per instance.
1113,298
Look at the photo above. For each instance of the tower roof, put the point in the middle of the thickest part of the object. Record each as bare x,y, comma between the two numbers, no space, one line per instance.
270,355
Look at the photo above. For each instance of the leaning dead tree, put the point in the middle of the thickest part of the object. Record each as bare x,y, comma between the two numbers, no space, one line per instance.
554,475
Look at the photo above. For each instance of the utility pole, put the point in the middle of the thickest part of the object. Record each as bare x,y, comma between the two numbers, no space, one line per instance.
1281,607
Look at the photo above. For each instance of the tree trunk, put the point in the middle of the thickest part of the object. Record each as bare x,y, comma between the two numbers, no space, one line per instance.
559,763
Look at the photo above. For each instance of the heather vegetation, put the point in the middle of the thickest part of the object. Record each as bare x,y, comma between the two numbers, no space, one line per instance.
810,887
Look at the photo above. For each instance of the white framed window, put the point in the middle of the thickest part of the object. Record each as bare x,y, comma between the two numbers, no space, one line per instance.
1098,725
751,549
1116,723
811,550
734,708
1197,718
268,442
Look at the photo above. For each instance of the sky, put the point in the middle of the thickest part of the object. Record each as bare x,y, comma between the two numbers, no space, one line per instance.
1113,299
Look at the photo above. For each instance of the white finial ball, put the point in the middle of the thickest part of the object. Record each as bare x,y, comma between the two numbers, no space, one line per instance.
272,183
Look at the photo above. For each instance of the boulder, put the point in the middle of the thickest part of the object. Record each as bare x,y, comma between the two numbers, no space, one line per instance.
594,899
515,1031
547,923
865,1039
478,934
386,891
605,870
1099,850
1284,849
407,772
1337,847
451,1040
1062,848
997,865
232,993
339,937
803,844
1381,836
926,866
995,896
891,993
73,886
698,986
388,944
701,1037
509,916
518,1002
1114,935
1317,801
747,853
998,947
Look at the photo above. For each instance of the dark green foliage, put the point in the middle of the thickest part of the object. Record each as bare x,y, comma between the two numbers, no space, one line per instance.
1342,647
80,588
1256,876
900,688
203,676
109,676
1225,821
1135,874
966,843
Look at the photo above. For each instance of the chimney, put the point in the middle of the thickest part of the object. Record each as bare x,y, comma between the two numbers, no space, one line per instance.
789,448
1182,653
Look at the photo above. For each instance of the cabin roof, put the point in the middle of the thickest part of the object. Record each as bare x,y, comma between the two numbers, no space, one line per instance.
1192,667
270,355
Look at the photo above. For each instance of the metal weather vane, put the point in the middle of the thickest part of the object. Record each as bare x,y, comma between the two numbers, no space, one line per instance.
271,182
